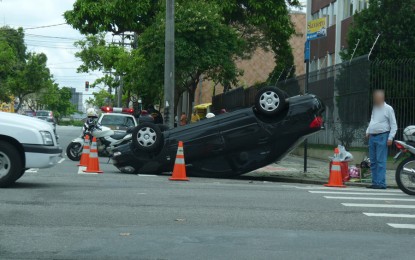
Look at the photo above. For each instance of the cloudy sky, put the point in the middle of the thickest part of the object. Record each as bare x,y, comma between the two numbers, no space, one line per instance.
56,41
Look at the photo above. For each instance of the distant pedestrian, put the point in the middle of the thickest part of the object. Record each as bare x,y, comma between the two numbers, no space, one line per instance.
381,131
183,119
195,117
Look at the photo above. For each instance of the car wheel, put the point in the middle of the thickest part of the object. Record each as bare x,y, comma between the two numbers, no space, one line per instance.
10,164
270,101
74,151
147,137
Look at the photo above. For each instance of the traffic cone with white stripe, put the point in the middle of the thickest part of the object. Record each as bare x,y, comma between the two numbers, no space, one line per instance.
335,178
85,153
179,171
93,162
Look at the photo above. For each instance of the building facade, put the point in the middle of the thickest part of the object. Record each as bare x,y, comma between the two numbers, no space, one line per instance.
257,69
77,100
325,52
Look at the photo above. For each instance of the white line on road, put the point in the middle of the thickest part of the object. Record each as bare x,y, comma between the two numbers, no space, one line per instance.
388,215
330,188
61,160
32,170
366,198
146,175
379,206
355,193
406,226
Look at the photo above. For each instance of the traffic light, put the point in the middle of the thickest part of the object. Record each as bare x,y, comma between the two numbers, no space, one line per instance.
86,85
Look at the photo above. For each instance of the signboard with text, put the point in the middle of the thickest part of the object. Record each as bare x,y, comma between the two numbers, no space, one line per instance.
317,28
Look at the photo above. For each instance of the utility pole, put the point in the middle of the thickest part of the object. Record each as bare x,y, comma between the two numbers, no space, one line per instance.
307,72
169,69
119,96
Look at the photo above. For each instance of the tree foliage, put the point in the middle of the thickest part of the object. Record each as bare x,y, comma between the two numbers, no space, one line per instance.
210,35
394,21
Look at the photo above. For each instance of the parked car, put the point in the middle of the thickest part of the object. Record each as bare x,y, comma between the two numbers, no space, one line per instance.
229,144
25,143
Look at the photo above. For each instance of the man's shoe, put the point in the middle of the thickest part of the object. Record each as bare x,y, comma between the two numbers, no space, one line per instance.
379,188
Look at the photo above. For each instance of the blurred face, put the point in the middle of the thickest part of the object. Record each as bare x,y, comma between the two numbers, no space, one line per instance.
378,98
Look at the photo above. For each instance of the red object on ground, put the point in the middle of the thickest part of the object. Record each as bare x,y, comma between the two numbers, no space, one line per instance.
85,153
179,171
93,162
335,179
344,168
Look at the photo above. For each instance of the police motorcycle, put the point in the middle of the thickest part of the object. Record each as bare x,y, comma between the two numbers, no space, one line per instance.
405,173
107,139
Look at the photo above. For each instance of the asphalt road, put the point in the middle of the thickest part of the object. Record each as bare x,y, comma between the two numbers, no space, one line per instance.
59,214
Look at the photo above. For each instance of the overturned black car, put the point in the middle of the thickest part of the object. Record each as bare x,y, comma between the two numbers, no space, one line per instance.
229,144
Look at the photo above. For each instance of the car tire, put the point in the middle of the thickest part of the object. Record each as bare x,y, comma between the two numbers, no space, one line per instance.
70,152
270,101
147,137
10,164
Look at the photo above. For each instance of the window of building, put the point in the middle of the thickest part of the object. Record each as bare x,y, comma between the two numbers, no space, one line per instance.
348,8
333,7
362,4
315,16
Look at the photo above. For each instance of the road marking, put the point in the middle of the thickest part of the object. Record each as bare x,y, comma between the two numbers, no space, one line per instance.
146,175
379,206
330,188
366,198
406,226
61,160
32,170
387,215
81,170
355,193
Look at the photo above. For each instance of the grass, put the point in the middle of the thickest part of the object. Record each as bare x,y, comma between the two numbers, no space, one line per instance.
72,123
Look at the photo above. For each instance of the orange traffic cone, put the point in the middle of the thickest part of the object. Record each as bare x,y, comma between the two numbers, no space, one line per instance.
179,171
85,153
335,179
93,162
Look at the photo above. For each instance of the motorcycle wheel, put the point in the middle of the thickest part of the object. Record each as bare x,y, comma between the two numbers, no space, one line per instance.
406,179
74,151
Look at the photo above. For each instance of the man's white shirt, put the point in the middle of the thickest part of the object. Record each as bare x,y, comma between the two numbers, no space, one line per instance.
383,120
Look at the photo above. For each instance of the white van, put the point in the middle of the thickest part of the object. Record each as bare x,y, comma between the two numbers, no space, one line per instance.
25,142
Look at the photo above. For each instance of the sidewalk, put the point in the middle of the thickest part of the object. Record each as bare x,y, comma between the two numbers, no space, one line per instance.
291,170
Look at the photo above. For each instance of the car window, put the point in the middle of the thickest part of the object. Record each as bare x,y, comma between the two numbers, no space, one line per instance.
117,121
42,113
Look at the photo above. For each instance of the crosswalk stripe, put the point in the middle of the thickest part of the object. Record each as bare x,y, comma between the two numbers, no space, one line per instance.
355,193
379,206
388,215
366,198
406,226
345,189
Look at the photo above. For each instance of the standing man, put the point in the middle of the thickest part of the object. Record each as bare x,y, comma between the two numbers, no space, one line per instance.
381,131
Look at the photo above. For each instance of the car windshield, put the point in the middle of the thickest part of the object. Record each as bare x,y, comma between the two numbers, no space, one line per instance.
117,122
42,113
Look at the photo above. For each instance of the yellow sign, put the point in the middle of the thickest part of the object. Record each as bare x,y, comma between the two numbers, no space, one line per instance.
317,28
7,107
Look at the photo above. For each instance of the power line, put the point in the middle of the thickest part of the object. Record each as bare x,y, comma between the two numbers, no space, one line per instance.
44,26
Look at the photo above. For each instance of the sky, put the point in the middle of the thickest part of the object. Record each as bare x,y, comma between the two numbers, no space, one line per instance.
56,41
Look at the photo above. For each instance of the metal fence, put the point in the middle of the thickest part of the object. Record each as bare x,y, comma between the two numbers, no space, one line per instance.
346,91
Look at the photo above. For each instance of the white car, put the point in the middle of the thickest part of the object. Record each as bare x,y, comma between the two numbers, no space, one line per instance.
25,143
118,119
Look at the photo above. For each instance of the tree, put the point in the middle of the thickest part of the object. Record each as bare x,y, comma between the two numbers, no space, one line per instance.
393,20
31,78
257,23
12,56
201,49
100,99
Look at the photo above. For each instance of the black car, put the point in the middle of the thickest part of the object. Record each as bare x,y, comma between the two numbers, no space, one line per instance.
229,144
